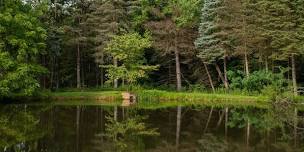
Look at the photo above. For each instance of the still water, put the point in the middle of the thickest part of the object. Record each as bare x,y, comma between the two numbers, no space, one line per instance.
196,128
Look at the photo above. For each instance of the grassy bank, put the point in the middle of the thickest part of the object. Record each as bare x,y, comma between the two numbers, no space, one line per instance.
151,99
87,95
164,98
157,96
195,96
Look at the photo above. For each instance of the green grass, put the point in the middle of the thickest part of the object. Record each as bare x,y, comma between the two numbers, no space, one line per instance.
158,95
196,96
158,99
86,94
89,95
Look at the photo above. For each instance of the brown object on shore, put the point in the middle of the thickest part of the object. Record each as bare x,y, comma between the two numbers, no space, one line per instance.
128,98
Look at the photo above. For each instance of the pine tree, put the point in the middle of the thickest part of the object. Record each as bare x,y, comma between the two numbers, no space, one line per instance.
78,31
281,24
108,19
173,31
214,41
54,20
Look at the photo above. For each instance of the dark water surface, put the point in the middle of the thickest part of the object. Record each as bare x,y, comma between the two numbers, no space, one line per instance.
49,128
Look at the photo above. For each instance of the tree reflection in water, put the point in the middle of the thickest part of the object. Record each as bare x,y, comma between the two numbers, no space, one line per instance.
278,128
19,127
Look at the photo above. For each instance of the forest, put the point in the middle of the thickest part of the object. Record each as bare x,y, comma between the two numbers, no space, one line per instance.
242,46
151,75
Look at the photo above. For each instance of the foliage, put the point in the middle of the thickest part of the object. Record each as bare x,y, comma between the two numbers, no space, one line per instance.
130,75
213,40
236,79
188,11
258,81
108,19
125,133
128,49
79,41
21,41
285,35
22,81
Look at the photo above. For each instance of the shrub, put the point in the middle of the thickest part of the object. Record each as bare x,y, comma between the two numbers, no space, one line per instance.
258,81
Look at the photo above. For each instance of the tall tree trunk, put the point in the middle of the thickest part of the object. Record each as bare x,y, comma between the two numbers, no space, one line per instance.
97,75
82,70
178,71
52,72
209,77
101,77
102,71
55,12
220,74
115,80
57,73
178,126
245,48
294,77
78,66
44,77
266,64
169,74
225,73
246,64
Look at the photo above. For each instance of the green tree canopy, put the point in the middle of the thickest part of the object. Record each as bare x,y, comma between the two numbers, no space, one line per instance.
22,39
128,49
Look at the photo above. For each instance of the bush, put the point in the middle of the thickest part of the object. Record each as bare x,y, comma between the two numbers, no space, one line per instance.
258,81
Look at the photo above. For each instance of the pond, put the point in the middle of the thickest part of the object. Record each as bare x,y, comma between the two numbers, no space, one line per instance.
197,128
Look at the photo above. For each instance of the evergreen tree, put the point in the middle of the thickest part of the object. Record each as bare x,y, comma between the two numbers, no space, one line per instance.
173,30
214,42
281,25
78,30
54,20
108,19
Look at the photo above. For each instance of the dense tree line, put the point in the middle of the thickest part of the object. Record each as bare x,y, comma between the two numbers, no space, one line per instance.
178,44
